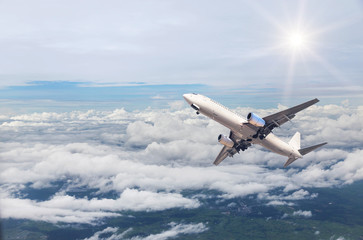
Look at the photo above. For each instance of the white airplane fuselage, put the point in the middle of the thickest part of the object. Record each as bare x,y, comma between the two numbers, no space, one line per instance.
234,122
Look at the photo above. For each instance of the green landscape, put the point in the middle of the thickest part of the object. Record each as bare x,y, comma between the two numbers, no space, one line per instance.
336,213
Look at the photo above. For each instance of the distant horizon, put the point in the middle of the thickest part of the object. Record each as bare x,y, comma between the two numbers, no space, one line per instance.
63,96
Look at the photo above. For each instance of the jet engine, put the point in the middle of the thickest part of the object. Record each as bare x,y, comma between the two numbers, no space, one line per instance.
226,141
255,120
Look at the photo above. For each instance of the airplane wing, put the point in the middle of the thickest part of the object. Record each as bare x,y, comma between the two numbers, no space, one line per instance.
277,119
227,151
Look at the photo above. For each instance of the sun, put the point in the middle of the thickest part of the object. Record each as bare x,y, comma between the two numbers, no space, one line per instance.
297,40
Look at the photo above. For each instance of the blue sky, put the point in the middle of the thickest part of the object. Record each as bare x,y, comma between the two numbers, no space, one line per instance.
63,96
92,51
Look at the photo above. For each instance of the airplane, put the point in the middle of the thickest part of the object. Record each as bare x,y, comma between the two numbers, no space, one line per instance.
253,130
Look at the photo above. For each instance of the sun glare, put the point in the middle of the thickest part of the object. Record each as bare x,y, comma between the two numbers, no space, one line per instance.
297,40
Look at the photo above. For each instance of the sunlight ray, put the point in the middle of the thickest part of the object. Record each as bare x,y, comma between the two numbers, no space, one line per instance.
330,68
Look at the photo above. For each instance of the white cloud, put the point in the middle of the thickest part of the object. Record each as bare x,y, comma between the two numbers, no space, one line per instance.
174,231
74,210
109,230
301,213
29,209
339,238
279,203
283,199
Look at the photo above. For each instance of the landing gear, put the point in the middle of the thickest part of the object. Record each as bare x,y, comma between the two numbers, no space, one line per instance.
242,145
197,113
259,134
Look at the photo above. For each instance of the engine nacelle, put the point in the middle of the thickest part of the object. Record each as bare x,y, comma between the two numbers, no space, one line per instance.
226,141
255,120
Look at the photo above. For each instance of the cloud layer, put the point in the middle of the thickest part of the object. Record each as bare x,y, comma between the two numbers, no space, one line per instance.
68,209
148,158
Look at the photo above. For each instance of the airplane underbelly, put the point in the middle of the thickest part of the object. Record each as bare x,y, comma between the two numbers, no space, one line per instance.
276,145
246,131
229,123
227,119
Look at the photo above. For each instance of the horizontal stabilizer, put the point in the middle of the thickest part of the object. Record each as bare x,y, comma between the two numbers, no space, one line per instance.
305,151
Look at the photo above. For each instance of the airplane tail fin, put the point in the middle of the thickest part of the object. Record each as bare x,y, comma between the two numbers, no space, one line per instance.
295,144
305,151
295,141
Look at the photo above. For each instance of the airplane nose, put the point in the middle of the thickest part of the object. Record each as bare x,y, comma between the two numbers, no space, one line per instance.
187,98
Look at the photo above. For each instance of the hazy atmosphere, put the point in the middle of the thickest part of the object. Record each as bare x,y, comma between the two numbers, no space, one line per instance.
97,142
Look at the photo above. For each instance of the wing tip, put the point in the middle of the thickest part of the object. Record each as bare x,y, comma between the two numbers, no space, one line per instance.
315,100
